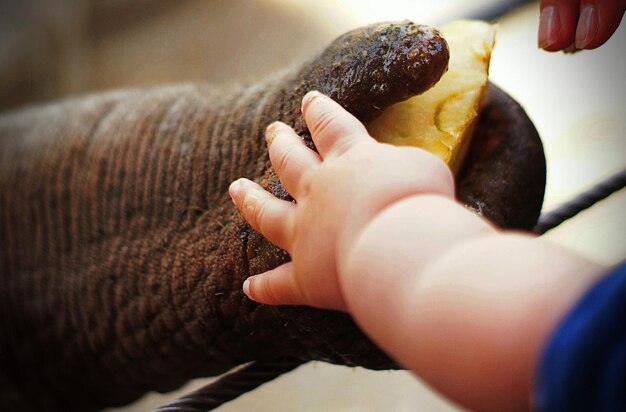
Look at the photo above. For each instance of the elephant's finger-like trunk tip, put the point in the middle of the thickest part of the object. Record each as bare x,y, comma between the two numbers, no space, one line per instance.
370,68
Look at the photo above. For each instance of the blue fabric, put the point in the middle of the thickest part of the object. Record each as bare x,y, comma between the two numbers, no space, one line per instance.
583,367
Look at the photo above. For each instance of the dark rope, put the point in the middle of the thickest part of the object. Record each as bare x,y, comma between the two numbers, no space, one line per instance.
230,386
583,201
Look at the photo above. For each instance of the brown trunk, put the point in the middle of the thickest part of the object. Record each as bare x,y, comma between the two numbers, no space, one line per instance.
122,257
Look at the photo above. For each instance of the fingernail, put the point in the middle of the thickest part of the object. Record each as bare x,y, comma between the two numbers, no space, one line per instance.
587,26
309,98
271,132
246,287
233,189
571,49
549,27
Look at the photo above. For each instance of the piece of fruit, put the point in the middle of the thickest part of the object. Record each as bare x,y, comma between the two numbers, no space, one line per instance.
441,119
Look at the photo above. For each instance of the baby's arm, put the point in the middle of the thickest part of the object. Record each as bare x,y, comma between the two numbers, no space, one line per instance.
376,232
471,319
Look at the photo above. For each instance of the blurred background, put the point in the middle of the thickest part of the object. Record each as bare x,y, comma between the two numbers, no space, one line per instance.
50,49
53,48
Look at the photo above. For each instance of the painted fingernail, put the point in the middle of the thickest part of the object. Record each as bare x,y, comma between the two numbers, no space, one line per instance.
246,287
587,26
271,132
549,27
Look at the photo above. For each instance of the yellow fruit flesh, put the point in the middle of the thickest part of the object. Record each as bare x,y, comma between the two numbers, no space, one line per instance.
440,120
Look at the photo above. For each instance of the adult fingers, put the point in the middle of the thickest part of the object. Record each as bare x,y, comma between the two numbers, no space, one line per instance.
598,21
268,215
278,286
289,155
333,129
557,24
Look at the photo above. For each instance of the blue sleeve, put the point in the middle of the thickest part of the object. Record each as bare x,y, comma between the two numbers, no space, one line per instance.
583,367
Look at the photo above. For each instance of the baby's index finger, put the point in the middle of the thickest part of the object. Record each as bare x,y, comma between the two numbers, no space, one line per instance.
333,129
290,156
266,214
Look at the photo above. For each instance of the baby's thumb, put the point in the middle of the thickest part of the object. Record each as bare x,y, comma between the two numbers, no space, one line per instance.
275,287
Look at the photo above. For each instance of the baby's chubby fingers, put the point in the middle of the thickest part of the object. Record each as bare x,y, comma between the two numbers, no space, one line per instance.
289,155
271,217
278,286
333,129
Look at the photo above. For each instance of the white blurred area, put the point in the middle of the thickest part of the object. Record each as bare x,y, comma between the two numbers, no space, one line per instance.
578,104
369,11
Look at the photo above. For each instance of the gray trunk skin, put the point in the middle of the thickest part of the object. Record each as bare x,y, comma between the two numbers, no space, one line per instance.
121,254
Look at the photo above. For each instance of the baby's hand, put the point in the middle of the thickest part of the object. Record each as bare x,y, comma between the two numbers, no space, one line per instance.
578,24
337,192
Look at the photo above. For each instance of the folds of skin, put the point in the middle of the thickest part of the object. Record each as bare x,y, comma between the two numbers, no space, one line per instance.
121,255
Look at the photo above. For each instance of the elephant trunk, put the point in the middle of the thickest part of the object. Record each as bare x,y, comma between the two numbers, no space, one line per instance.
121,255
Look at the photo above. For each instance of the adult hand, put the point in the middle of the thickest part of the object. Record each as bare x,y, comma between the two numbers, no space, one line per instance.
578,24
